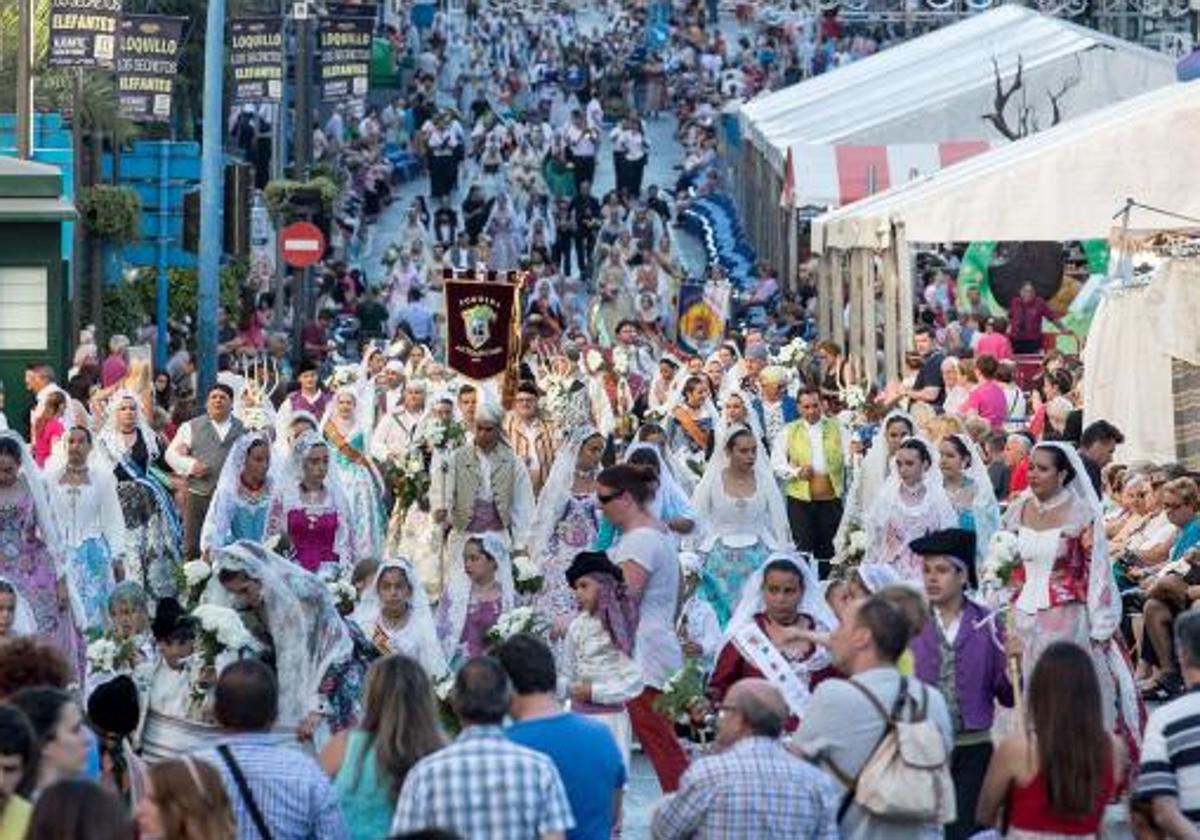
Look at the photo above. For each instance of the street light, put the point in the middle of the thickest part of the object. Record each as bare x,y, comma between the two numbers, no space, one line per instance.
212,192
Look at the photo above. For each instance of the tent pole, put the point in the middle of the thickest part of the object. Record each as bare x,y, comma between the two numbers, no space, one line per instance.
824,296
905,268
891,317
838,261
856,324
870,342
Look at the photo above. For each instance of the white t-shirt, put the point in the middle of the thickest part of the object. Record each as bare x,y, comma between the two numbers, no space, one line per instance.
656,647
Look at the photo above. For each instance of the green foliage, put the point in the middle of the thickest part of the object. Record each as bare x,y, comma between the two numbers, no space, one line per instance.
277,195
110,212
131,303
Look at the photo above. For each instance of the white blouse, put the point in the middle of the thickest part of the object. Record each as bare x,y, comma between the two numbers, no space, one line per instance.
589,654
1038,551
90,511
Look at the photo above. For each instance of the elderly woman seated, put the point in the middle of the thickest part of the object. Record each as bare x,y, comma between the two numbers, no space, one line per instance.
1170,588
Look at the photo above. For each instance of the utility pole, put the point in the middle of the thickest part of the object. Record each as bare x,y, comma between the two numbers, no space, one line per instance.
302,16
25,81
212,193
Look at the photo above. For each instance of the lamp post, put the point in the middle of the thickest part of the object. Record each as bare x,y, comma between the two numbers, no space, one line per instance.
212,192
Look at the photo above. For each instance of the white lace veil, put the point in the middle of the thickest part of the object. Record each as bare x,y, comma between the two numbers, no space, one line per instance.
420,616
778,532
984,507
308,634
557,490
934,501
868,480
458,588
110,439
752,420
364,410
24,622
225,496
812,602
670,495
281,460
43,508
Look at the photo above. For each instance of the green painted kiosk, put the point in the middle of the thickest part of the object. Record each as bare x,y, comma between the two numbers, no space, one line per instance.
33,286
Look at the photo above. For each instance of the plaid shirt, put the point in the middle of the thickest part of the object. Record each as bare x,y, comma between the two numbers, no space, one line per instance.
484,786
756,788
295,797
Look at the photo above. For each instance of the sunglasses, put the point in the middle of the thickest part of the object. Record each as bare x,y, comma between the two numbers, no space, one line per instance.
605,498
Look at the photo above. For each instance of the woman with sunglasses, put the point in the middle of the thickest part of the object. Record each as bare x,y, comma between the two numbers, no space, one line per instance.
646,553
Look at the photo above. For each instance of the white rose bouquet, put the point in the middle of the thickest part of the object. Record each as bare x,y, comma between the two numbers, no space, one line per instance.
345,596
855,549
518,620
193,577
527,577
108,655
793,354
444,435
1002,559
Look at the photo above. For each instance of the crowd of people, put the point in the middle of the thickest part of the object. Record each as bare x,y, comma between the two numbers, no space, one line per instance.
352,593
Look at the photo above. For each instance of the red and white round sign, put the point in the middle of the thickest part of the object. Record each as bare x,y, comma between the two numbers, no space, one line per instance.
302,244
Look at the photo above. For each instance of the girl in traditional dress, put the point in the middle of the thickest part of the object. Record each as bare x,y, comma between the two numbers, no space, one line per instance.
16,616
293,616
480,589
599,672
744,515
93,528
565,522
965,479
1064,586
31,544
770,634
394,616
310,512
243,497
690,429
152,527
869,478
911,505
348,432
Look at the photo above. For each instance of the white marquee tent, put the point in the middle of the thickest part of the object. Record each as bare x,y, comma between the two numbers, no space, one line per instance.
932,89
1065,183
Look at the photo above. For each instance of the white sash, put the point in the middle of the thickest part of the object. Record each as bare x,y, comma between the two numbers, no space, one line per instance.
757,648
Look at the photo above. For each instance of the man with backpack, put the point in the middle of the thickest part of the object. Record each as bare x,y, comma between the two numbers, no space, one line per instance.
885,737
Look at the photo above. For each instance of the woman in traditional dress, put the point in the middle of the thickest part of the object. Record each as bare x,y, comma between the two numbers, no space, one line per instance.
152,526
242,500
479,591
870,476
911,505
93,529
736,410
293,616
394,616
690,428
507,233
565,522
346,428
744,515
1064,587
965,479
310,511
670,504
781,604
31,545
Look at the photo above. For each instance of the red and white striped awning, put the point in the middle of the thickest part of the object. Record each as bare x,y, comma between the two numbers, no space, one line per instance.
833,176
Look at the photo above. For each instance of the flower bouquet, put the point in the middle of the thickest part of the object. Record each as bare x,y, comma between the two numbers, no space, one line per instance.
254,418
191,581
445,435
110,655
682,699
218,630
342,376
527,577
443,689
1000,562
517,620
855,549
794,354
408,478
345,596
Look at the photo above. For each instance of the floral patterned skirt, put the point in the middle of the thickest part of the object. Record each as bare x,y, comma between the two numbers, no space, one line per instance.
724,574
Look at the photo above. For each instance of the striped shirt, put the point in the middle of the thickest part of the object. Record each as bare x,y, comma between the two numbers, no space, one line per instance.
1171,754
295,797
756,788
484,786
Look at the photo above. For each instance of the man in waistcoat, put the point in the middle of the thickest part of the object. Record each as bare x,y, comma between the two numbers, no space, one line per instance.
197,453
530,437
808,455
486,488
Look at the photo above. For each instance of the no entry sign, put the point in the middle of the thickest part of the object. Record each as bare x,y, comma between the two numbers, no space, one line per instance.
303,244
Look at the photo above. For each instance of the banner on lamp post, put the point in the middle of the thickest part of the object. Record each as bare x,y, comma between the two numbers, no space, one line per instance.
147,64
344,45
256,56
83,33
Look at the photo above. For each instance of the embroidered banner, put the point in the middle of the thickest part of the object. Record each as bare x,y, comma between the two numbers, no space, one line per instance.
703,311
481,326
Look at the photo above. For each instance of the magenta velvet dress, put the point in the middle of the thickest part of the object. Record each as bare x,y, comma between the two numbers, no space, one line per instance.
312,537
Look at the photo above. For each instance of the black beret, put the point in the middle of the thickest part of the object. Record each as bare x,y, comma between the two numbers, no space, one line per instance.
113,706
955,543
592,562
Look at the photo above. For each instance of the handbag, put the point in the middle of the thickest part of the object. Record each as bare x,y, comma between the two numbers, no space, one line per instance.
239,779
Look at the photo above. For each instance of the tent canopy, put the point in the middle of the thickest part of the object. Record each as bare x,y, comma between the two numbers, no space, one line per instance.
1063,183
938,87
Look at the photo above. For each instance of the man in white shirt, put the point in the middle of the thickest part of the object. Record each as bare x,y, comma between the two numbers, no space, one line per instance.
198,453
400,429
582,141
809,456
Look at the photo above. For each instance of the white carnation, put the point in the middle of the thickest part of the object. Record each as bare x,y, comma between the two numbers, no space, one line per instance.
225,624
195,572
102,655
525,568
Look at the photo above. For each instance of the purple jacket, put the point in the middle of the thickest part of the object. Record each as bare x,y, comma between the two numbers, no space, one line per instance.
981,674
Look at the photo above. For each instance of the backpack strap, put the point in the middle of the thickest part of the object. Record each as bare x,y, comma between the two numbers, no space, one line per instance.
239,779
851,782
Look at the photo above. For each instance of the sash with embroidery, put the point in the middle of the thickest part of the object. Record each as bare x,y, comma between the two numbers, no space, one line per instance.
691,428
757,648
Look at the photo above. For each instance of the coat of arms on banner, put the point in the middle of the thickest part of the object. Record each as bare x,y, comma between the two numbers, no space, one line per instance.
478,320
